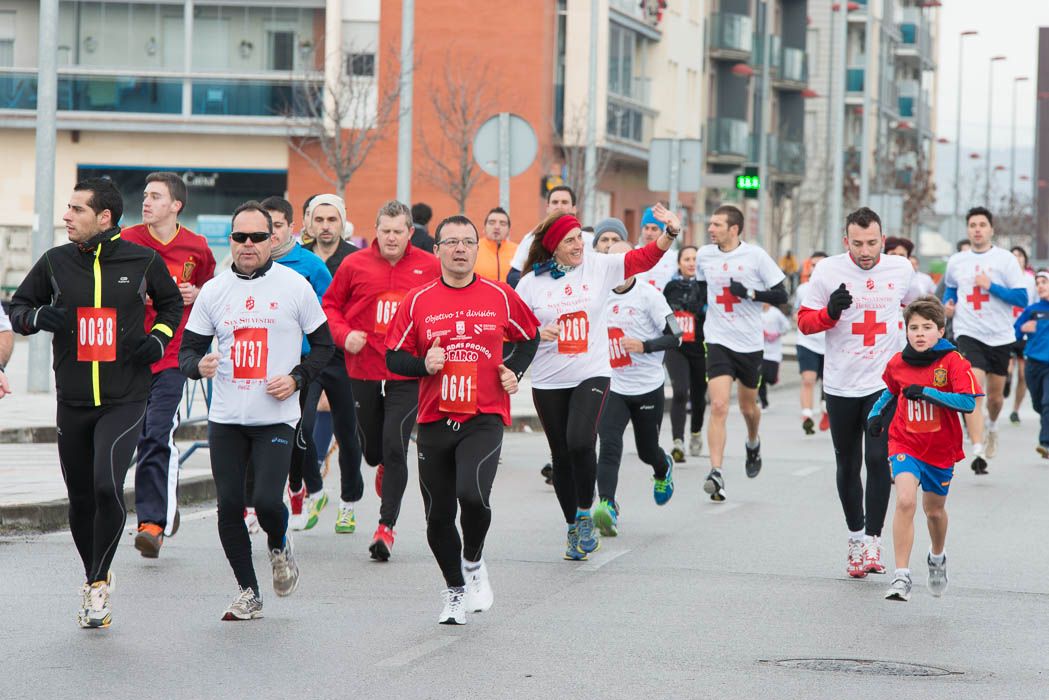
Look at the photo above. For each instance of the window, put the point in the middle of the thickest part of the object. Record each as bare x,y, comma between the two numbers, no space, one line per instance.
7,39
361,64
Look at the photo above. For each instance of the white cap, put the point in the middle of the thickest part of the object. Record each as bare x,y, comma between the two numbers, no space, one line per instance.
330,199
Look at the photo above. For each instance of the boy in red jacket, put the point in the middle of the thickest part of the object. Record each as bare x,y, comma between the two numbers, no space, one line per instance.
932,383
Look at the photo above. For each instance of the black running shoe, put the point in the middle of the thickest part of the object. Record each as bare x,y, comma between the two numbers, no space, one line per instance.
979,465
548,473
715,485
754,461
1014,418
808,426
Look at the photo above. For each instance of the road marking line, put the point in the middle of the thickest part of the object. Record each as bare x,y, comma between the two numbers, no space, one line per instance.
806,471
417,652
595,565
719,509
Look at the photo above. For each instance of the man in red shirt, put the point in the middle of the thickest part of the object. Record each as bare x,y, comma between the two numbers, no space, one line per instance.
450,333
360,304
191,264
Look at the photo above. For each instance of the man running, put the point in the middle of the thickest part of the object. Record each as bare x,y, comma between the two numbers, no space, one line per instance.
856,298
982,285
360,304
740,277
326,220
258,312
450,332
91,294
810,350
190,263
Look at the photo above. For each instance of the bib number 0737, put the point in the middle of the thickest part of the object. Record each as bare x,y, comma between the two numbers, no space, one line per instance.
250,353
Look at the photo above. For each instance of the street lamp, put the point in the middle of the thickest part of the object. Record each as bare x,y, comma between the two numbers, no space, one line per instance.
958,142
1012,145
990,107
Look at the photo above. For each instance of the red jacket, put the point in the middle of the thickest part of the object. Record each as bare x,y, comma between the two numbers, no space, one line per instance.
364,296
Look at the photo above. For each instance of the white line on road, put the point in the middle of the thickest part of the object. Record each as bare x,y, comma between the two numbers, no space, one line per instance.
595,565
719,509
806,471
417,652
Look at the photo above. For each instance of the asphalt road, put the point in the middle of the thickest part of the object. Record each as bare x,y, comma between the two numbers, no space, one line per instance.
691,600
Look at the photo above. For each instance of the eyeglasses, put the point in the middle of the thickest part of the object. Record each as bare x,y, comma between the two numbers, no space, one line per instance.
256,236
453,243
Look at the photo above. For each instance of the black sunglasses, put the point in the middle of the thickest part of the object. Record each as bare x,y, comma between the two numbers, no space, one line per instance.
257,237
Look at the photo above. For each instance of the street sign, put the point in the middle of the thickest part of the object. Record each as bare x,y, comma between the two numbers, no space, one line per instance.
661,165
505,146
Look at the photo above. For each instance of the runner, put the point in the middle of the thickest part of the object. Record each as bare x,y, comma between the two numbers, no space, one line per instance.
360,304
810,349
930,383
1017,351
687,364
258,312
982,285
190,263
450,332
856,297
641,327
495,250
666,268
91,294
559,199
1033,324
774,324
567,288
607,232
740,277
7,343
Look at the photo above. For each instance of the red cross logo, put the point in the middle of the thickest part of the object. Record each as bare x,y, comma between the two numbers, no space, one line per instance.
977,298
870,328
727,299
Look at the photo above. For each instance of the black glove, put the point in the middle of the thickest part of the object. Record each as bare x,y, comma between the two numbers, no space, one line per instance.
875,426
737,289
840,299
148,350
914,392
49,318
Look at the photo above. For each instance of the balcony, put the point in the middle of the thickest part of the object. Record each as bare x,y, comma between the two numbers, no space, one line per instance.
731,36
854,79
728,140
759,53
628,127
786,158
915,38
794,69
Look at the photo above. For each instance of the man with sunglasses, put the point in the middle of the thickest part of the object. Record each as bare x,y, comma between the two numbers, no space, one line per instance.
258,312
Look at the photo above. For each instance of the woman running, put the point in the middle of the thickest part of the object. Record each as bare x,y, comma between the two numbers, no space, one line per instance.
687,364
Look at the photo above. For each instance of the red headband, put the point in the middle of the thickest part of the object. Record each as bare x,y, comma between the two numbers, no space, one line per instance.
558,230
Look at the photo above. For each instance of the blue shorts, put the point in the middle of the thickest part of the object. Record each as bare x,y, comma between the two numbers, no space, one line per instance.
810,361
933,479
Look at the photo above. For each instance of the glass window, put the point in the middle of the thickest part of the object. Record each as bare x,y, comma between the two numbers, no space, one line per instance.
252,39
120,35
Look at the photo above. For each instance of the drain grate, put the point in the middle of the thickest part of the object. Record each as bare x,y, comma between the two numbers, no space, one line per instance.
867,667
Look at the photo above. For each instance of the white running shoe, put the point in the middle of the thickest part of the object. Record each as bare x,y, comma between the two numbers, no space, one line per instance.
479,596
246,606
285,570
453,612
251,520
695,444
98,613
937,576
900,588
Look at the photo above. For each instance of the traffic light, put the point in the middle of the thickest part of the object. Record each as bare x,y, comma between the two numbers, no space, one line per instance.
749,183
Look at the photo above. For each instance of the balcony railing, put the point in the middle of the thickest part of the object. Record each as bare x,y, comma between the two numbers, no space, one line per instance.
854,79
794,66
791,157
731,32
628,122
759,52
728,137
637,89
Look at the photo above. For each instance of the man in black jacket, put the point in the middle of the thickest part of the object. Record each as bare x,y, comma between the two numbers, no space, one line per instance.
92,294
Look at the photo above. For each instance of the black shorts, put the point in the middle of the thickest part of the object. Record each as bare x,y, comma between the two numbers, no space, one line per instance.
744,367
810,361
992,359
1017,348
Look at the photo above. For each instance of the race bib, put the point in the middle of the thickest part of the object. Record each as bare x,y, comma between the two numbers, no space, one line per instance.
574,337
617,356
921,417
385,307
96,334
458,388
687,323
250,353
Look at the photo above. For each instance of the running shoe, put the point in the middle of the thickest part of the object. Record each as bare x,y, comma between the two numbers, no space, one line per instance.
97,613
453,613
715,485
663,489
285,570
991,448
246,606
382,543
1014,418
346,523
678,451
979,465
297,516
808,425
695,444
754,461
251,521
606,517
379,470
149,539
85,603
572,551
872,556
900,588
824,422
589,539
479,596
937,576
548,473
1043,450
856,568
313,506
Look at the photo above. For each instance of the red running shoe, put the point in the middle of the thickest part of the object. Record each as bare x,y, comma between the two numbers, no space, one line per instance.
824,422
857,568
382,543
378,480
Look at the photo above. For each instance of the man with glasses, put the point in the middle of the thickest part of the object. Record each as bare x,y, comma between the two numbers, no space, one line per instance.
258,312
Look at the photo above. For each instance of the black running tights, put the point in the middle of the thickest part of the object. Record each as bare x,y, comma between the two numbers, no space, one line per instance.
386,414
852,446
646,413
688,378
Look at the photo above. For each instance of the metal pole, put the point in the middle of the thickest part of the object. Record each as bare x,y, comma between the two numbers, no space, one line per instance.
590,156
675,173
825,239
837,146
764,236
404,124
44,202
868,71
958,226
504,160
990,106
1012,146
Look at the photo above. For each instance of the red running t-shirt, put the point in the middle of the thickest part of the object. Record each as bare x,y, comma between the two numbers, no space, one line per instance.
922,429
471,323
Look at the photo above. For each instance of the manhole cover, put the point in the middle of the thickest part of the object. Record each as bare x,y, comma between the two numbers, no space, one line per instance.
870,667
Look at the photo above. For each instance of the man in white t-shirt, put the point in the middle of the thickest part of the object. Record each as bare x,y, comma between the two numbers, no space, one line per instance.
774,324
740,277
810,350
856,298
982,285
258,312
7,343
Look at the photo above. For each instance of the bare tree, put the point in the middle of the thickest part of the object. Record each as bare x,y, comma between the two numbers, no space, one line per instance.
337,120
919,195
461,102
1015,221
570,148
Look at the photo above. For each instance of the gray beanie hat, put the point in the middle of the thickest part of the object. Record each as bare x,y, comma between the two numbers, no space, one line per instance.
610,224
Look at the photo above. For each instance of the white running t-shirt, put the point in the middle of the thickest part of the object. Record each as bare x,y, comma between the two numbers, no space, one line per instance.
259,325
774,324
662,271
979,314
817,342
641,312
868,333
731,321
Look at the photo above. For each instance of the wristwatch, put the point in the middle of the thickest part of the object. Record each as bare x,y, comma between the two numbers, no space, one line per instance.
752,294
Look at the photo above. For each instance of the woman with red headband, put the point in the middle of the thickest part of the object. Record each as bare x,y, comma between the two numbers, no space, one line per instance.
567,289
